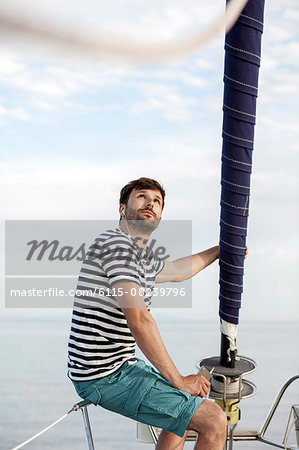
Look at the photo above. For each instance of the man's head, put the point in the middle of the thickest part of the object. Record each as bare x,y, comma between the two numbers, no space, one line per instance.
142,200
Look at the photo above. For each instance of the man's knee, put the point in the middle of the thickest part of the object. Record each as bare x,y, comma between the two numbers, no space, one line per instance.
168,440
209,419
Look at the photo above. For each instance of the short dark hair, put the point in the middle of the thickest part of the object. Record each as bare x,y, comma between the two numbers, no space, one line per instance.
141,183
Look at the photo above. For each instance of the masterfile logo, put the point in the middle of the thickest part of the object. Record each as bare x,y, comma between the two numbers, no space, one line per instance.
64,253
43,258
53,251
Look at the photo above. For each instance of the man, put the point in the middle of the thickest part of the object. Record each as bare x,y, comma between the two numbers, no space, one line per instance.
108,322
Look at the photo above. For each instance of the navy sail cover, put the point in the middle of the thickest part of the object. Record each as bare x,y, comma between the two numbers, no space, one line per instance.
241,70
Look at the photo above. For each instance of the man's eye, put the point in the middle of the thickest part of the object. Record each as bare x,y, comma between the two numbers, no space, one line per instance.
158,201
141,195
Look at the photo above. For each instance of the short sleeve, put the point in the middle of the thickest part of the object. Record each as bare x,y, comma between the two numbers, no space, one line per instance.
120,260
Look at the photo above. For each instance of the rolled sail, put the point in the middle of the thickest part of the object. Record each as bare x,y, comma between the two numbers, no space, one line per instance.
241,71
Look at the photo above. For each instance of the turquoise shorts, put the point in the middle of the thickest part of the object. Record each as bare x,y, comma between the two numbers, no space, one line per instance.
140,392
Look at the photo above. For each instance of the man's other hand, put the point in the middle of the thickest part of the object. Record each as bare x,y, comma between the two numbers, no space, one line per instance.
246,252
195,385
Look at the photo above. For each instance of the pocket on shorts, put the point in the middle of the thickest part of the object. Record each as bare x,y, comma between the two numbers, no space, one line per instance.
137,392
167,400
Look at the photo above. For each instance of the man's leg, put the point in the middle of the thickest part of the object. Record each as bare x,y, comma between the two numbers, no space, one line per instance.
210,422
170,441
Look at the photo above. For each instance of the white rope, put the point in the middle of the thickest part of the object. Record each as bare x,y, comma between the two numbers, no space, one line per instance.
41,432
120,47
231,388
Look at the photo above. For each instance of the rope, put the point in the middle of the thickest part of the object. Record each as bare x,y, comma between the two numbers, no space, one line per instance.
120,47
44,430
231,388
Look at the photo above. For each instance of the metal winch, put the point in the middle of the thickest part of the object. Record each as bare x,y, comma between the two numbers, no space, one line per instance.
228,386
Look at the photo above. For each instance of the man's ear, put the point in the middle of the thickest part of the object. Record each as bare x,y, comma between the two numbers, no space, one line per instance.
122,210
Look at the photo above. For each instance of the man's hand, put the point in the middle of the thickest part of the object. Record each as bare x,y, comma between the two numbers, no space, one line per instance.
195,385
246,252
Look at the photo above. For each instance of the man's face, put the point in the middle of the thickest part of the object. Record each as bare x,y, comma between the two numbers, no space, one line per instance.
144,206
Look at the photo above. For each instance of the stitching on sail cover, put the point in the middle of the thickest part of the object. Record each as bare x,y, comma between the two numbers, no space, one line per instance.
234,226
240,82
243,51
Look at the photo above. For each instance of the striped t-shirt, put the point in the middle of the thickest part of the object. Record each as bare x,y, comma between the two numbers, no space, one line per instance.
100,340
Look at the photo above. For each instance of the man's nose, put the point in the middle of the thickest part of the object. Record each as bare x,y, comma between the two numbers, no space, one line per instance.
150,202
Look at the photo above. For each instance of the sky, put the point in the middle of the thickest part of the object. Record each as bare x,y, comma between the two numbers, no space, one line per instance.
77,127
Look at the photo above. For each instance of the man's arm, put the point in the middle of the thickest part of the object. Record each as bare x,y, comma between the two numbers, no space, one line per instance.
183,268
145,331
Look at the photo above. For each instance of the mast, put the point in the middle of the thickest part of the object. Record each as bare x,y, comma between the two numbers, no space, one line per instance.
241,71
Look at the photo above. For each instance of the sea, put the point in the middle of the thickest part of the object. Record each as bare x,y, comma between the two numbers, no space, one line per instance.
35,390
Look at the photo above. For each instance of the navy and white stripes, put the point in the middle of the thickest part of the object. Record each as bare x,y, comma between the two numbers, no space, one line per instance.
100,340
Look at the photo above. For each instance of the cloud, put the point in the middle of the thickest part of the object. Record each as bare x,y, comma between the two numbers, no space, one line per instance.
17,112
184,77
276,33
166,99
51,81
50,88
280,49
90,187
213,103
291,14
43,105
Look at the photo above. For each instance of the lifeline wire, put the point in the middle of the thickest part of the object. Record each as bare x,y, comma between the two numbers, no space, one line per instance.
42,431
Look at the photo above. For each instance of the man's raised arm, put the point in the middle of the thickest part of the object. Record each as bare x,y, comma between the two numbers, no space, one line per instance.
145,331
183,268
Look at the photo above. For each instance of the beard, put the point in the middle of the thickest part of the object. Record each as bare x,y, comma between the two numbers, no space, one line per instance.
138,223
